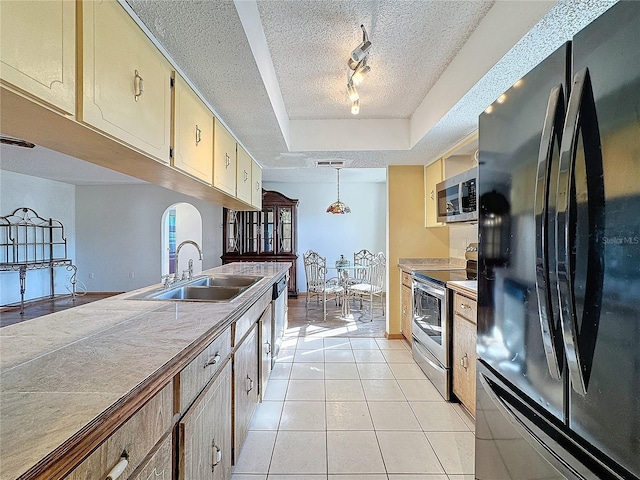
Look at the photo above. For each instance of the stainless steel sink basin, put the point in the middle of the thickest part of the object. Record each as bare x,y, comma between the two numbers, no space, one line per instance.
226,281
214,288
200,293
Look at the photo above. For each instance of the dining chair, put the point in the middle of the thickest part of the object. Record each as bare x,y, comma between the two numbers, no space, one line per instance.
374,286
362,258
318,285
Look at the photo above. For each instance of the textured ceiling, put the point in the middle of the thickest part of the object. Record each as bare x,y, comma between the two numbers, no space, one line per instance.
275,72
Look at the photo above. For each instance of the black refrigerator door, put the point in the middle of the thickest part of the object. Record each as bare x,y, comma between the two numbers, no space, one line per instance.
601,309
519,332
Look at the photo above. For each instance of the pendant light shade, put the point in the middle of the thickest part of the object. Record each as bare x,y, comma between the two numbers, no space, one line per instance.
338,207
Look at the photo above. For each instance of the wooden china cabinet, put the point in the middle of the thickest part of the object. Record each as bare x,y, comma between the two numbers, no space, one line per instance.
266,236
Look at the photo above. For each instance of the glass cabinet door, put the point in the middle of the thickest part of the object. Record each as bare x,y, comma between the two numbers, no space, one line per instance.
285,234
267,230
251,230
232,238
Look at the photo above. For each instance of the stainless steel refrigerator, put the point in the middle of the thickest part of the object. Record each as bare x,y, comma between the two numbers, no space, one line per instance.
558,382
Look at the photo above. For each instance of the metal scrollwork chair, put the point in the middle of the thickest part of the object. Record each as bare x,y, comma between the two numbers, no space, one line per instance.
362,258
318,285
374,286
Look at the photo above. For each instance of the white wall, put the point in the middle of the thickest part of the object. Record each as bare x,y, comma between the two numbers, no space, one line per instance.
50,200
119,232
333,235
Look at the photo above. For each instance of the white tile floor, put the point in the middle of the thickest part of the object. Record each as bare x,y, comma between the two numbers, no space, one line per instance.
354,409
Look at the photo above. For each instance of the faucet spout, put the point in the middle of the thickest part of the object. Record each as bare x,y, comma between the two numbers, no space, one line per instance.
186,242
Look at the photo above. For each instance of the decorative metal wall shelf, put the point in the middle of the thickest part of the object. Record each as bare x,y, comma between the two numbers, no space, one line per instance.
30,242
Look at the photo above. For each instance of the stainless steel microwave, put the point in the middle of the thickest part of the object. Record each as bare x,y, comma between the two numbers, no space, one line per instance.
456,198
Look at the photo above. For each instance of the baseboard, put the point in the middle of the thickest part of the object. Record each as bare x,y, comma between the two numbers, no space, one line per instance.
394,336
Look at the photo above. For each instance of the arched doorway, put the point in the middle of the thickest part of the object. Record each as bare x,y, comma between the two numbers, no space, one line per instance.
180,222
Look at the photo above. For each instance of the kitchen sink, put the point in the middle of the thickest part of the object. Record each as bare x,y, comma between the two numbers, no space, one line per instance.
214,288
225,281
200,293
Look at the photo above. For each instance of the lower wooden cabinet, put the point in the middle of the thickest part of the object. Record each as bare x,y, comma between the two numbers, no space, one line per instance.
130,444
406,306
266,349
204,434
245,387
464,352
159,466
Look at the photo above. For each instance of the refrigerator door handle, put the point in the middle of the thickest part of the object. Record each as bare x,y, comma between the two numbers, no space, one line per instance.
580,340
551,132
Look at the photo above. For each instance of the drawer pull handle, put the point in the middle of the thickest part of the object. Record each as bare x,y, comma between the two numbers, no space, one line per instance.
213,360
268,344
464,306
249,384
120,467
464,361
217,455
257,186
227,160
246,175
198,135
138,86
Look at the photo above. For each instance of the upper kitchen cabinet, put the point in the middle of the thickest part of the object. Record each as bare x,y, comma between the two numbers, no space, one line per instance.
126,90
243,177
433,174
224,160
38,54
193,133
256,182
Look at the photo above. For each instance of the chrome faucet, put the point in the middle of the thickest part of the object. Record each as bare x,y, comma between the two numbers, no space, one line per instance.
190,274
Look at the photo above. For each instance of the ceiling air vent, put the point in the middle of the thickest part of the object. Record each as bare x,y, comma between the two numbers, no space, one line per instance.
330,163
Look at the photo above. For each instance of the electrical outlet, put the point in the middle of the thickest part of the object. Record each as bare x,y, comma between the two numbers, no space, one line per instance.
132,274
92,275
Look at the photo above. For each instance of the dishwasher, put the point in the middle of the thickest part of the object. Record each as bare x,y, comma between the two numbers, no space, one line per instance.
279,316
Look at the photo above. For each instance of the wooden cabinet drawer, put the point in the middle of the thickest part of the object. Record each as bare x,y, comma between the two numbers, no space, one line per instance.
159,466
406,279
193,378
136,436
246,321
465,307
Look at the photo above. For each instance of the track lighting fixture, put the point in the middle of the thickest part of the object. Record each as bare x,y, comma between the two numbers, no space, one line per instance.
361,50
355,107
358,70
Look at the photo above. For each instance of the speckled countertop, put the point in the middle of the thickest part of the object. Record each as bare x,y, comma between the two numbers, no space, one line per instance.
410,264
61,371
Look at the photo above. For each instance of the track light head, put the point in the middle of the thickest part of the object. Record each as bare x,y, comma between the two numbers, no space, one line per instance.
352,92
361,71
361,51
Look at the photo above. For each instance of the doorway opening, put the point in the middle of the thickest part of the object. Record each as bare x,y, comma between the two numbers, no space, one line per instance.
180,222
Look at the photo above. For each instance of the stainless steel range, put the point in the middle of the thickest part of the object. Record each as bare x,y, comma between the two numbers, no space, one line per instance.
431,328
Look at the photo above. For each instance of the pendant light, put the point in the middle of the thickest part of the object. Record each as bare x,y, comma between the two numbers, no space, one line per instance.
338,207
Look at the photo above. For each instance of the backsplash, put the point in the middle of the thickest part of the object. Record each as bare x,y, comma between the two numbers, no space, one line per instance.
460,236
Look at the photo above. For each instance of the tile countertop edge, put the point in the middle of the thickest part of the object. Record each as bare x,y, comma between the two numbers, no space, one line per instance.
91,428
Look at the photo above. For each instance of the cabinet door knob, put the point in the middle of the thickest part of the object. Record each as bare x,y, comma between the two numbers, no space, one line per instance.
257,186
464,361
246,175
227,160
432,195
119,467
268,344
249,384
217,455
138,85
213,360
198,135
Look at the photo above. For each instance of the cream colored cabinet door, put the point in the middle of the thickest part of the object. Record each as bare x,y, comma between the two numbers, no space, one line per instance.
406,313
224,159
127,81
193,133
256,185
245,387
433,174
464,362
204,449
243,176
38,54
